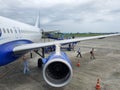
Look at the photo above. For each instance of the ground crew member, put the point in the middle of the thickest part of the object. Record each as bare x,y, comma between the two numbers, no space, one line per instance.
79,53
25,63
92,56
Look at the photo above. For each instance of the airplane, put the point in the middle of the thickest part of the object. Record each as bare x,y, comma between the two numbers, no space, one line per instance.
17,39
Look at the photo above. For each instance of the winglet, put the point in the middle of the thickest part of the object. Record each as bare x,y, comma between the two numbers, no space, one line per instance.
37,24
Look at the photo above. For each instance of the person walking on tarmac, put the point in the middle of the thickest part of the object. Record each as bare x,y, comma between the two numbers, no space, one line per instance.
25,63
79,52
92,56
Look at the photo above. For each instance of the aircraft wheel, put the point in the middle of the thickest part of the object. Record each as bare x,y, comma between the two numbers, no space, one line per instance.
40,63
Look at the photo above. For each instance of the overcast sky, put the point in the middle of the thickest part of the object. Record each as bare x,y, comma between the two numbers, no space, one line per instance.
66,15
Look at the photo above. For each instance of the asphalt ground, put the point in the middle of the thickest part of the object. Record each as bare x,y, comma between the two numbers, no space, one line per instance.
106,67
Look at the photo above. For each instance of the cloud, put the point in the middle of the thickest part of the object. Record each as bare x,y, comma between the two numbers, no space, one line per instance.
117,11
41,3
64,14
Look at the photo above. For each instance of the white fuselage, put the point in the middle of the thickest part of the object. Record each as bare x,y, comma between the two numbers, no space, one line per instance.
11,30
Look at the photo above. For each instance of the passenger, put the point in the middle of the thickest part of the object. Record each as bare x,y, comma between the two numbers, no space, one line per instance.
79,53
92,56
25,63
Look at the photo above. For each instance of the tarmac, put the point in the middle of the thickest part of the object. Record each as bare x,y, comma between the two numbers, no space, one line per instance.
106,67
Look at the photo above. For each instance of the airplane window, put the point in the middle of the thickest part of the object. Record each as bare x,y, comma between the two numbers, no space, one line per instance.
4,30
8,30
11,31
15,31
0,32
19,31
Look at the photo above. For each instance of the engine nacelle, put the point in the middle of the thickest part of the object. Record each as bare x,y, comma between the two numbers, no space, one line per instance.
57,71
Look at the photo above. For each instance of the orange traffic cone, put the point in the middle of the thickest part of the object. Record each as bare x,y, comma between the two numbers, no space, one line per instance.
78,64
98,87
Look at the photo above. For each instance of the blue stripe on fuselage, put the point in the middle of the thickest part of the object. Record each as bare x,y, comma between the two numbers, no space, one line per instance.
6,51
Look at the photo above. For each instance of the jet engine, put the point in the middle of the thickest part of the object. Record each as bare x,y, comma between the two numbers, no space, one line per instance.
57,71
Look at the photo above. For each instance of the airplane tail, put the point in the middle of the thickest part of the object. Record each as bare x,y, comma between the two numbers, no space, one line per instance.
37,24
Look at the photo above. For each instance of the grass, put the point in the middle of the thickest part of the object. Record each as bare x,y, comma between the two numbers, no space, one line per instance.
70,35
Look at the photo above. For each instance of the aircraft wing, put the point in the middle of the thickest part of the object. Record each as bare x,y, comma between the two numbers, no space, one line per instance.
34,46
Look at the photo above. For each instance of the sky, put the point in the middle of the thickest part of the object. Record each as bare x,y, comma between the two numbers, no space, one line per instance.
66,15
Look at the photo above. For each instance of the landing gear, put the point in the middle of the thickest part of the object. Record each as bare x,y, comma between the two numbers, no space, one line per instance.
40,63
42,55
70,47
